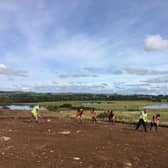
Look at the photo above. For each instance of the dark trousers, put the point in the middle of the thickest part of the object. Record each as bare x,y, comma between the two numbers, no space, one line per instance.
153,125
109,118
141,122
93,119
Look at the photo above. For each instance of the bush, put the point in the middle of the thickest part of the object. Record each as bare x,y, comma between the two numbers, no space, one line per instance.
52,108
66,106
5,107
102,115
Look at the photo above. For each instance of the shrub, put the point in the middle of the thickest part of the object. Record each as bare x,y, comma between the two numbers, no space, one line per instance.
66,105
102,115
5,107
52,108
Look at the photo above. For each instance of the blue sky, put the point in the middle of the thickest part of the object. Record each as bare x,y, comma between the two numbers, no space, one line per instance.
84,46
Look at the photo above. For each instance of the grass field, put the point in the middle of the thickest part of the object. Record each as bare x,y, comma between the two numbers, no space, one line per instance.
125,110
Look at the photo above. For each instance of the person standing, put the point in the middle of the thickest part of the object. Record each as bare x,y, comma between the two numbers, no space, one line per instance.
155,122
79,114
93,115
142,120
111,116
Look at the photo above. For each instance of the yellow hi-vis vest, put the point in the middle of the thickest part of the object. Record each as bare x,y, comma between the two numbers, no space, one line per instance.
143,116
35,110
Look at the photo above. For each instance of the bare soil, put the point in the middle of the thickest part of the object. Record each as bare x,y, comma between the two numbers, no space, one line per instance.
60,142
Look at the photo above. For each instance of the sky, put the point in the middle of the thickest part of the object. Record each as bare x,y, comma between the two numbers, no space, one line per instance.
84,46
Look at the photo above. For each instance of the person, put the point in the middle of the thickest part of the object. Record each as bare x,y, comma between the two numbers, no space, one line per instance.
111,116
93,115
155,122
142,120
35,113
79,114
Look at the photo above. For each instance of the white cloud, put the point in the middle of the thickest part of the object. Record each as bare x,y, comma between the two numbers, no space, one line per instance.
2,66
79,48
4,70
60,87
155,42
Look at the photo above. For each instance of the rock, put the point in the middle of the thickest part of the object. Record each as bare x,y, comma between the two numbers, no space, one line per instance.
127,165
4,138
51,151
3,153
76,158
65,132
48,120
43,153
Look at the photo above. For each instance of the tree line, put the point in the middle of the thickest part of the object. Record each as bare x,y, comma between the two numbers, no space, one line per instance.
30,97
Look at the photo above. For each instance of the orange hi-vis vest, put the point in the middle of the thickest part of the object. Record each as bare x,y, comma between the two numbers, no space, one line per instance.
154,120
93,114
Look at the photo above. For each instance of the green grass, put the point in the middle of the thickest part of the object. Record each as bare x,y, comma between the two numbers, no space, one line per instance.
105,105
124,110
121,116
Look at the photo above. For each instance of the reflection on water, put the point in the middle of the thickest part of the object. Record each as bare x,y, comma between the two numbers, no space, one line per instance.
21,107
157,106
29,107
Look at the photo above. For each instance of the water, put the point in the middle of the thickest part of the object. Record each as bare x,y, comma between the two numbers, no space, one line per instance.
157,106
21,107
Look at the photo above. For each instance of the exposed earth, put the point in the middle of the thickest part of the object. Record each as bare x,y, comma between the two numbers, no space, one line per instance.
60,142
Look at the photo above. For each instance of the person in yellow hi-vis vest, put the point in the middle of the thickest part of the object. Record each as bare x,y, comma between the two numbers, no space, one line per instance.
142,120
35,112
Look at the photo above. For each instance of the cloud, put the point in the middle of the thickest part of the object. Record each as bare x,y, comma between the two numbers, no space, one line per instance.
142,88
77,75
66,87
4,70
143,71
78,49
155,42
92,69
115,72
60,87
137,71
68,37
160,80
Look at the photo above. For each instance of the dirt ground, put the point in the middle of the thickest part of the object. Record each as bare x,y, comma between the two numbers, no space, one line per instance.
58,142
